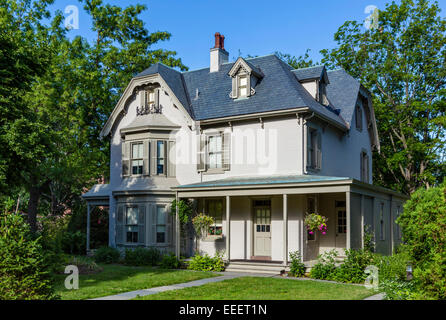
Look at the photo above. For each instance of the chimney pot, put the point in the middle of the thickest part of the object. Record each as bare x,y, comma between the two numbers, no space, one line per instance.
218,53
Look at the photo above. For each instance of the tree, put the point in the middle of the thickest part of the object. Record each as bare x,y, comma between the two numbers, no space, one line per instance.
299,62
403,63
56,135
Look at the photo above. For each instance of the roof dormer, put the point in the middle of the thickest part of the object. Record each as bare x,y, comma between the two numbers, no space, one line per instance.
314,80
244,78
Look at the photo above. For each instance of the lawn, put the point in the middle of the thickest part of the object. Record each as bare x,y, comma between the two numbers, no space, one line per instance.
117,279
257,288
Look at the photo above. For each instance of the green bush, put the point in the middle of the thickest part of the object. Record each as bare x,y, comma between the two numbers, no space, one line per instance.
399,290
85,265
142,257
107,255
74,242
423,225
353,267
393,267
207,263
325,268
297,267
170,261
24,272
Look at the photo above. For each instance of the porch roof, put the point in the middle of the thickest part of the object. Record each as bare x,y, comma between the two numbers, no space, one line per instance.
261,180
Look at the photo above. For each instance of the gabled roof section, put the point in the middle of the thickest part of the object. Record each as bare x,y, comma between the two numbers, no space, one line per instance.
173,78
311,73
242,63
342,92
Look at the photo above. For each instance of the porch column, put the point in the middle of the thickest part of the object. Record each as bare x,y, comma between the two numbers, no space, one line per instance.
285,229
88,228
177,227
228,227
347,209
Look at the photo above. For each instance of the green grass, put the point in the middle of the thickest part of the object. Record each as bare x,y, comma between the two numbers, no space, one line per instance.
257,288
117,279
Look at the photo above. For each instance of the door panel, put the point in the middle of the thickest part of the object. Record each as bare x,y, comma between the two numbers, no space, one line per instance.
262,230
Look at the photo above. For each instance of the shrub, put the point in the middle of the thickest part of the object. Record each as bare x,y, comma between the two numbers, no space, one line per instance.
393,267
352,269
207,263
297,267
142,257
170,261
325,268
86,265
399,290
74,242
107,255
423,225
23,269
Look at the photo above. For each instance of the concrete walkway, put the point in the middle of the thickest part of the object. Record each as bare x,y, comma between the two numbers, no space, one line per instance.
196,283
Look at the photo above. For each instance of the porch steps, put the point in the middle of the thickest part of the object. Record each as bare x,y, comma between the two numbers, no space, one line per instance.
255,267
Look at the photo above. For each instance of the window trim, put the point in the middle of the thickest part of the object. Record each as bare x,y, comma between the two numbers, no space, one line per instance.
208,152
214,237
239,86
164,157
127,225
313,166
157,224
136,159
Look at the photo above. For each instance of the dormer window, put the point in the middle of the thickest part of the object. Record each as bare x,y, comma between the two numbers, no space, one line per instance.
244,76
243,86
149,98
149,101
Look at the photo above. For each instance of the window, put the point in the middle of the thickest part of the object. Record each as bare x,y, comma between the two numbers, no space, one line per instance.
314,153
160,157
137,158
149,98
364,167
322,94
131,222
215,152
160,224
342,221
358,116
215,210
243,85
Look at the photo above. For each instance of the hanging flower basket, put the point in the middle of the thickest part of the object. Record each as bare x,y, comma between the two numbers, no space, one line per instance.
315,222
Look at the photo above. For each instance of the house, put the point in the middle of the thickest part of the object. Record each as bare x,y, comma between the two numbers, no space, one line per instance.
256,145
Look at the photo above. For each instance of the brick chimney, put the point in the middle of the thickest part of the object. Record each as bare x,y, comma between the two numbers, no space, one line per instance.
218,53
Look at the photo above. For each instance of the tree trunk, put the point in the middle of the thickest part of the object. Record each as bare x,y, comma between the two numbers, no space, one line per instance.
34,196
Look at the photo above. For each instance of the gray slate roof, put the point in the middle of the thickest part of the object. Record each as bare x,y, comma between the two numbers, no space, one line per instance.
279,89
309,73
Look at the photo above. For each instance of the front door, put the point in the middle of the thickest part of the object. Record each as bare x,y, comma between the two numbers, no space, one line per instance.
341,229
262,228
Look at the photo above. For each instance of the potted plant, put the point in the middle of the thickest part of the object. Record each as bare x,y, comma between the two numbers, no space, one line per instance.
315,222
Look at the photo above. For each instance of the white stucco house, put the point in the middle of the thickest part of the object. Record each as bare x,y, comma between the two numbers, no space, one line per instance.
256,145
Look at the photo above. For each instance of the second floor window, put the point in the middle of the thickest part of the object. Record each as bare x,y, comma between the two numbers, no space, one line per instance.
364,167
314,152
215,154
160,157
137,158
358,116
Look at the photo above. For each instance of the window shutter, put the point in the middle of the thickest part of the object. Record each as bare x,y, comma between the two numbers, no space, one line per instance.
153,157
157,98
309,160
120,225
248,85
125,159
201,154
169,230
235,87
142,97
153,219
146,157
319,151
141,224
226,150
171,159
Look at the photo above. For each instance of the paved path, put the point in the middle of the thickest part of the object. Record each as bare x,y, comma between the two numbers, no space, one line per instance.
146,292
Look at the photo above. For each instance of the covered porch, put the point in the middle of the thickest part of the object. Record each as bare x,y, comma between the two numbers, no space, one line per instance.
261,220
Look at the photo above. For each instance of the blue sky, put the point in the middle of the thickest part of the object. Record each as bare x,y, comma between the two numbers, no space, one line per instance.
250,27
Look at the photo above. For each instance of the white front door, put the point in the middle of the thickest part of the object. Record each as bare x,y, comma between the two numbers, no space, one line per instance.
341,229
262,228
